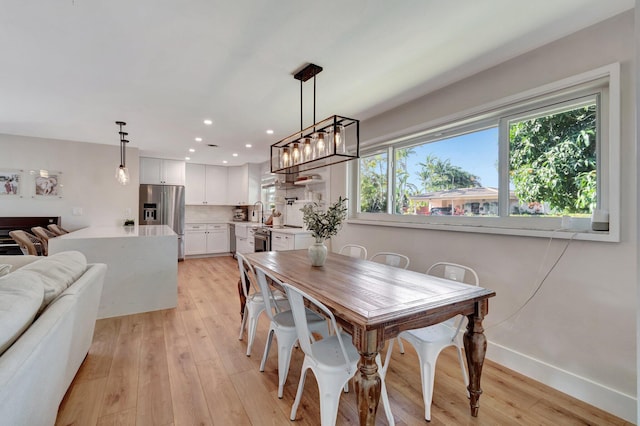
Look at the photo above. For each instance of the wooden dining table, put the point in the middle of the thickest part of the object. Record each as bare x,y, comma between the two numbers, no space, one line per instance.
374,302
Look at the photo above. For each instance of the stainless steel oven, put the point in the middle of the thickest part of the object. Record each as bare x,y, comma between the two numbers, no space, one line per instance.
262,239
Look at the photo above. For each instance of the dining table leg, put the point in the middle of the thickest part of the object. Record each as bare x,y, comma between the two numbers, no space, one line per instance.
368,383
475,347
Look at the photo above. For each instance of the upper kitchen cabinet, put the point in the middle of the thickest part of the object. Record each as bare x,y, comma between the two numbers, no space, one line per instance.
206,185
244,184
159,171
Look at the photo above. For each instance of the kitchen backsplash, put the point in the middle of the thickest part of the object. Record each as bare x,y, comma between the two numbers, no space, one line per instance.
204,214
293,215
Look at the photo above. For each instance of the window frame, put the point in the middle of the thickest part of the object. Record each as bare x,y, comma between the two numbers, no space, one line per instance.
603,82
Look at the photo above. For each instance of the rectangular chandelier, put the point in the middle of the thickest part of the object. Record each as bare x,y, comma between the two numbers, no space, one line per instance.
330,141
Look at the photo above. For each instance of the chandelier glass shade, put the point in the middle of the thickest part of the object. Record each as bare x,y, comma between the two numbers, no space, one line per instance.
330,141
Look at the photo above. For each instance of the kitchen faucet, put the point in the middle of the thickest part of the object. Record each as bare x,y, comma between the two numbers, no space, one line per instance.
260,212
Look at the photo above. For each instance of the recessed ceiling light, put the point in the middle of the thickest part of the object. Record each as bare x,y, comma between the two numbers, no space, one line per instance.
248,145
224,161
235,154
198,139
192,150
208,122
269,132
187,158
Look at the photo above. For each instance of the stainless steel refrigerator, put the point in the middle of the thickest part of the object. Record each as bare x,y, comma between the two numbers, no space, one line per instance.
164,205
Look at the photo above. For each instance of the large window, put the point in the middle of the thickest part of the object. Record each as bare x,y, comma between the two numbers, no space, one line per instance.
541,161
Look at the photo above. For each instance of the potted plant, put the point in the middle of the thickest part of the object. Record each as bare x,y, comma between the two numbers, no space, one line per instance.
323,225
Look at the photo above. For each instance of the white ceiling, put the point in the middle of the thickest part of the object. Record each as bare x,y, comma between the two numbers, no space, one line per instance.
71,68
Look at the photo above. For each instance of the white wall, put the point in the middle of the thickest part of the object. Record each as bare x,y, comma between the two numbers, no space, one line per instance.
88,175
578,333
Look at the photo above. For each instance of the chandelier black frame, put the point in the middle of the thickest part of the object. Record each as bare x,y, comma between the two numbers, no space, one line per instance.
326,139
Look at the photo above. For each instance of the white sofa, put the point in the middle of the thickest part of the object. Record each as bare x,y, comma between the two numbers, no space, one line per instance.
37,368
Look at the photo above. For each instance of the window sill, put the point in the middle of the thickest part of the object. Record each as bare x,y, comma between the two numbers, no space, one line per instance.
584,235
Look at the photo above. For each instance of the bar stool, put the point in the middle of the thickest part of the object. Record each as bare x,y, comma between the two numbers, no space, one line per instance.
28,243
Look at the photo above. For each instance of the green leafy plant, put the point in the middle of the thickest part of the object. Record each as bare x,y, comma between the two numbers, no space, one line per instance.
324,224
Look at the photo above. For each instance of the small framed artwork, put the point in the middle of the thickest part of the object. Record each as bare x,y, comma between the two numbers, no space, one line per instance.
47,184
10,182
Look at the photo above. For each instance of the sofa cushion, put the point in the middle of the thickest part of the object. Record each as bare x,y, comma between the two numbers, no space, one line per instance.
4,269
55,272
20,300
18,261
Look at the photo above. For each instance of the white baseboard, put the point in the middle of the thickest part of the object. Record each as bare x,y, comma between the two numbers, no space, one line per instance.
609,400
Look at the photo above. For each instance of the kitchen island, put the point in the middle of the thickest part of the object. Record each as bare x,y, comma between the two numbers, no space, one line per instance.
142,265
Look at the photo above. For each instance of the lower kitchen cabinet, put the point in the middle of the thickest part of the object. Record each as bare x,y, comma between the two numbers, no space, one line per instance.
206,239
281,241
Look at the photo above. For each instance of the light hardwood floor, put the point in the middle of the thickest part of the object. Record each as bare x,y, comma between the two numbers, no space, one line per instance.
186,366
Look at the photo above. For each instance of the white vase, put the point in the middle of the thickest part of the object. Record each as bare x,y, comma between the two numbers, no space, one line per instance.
317,253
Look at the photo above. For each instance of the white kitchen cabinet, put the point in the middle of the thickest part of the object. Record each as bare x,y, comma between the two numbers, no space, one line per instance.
195,181
216,185
218,238
195,239
206,239
205,185
282,241
243,184
158,171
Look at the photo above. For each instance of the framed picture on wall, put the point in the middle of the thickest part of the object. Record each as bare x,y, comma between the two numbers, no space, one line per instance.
10,182
46,184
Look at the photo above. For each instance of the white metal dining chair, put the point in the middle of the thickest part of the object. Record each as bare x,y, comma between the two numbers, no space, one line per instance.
430,341
254,304
283,326
354,250
333,360
392,259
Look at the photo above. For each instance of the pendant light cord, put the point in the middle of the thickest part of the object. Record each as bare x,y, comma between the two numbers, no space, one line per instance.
122,142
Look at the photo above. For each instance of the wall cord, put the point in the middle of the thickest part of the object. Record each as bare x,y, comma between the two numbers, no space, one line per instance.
544,278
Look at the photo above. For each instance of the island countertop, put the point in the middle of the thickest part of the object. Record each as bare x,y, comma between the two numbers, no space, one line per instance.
119,231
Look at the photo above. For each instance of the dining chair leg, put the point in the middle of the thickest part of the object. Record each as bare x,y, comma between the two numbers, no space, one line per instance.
296,402
383,393
465,377
284,360
243,323
267,348
253,324
400,345
329,398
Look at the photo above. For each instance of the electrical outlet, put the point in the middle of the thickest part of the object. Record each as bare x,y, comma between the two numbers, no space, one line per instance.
77,211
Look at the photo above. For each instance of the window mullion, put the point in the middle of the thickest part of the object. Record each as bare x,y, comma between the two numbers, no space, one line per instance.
503,168
391,182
